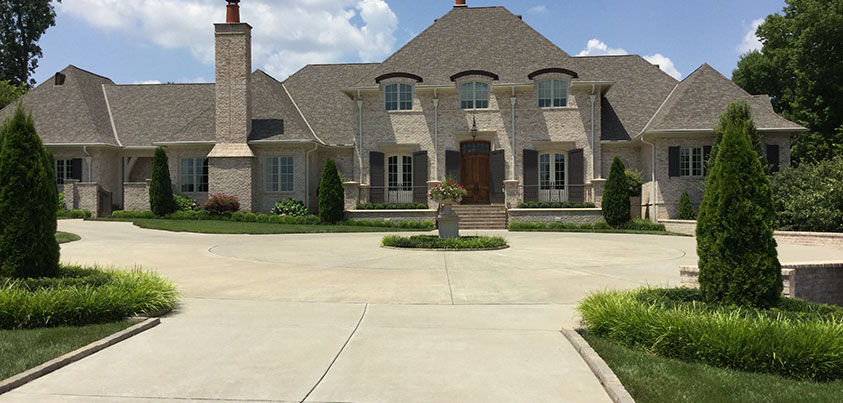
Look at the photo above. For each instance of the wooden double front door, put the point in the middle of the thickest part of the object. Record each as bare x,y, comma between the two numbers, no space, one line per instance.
475,165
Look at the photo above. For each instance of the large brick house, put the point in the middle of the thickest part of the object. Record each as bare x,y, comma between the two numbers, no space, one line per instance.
479,96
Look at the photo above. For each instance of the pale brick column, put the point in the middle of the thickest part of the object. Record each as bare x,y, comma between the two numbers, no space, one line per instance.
512,192
232,176
597,186
71,195
351,192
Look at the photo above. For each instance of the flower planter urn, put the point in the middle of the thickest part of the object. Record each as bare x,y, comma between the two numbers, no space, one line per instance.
449,222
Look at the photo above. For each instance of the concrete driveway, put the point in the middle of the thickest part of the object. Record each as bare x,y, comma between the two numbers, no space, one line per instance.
336,318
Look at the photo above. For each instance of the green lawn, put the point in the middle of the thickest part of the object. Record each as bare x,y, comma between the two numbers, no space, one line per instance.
65,237
602,231
653,379
235,227
23,349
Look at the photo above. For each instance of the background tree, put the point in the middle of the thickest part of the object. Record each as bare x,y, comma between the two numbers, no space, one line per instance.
616,195
161,200
810,197
737,253
10,93
331,195
28,199
800,67
22,22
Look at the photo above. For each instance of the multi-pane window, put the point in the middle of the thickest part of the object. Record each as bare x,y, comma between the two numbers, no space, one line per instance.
398,97
400,173
474,95
552,171
691,161
64,170
553,93
194,175
279,175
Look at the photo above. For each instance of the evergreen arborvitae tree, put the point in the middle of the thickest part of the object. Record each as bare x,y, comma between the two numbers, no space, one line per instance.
331,195
737,253
28,198
161,200
686,209
616,196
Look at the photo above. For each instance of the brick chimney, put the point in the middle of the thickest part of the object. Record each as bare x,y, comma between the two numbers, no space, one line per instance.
230,161
460,3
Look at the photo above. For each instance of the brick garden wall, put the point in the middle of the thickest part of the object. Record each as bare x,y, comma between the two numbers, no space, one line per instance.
577,216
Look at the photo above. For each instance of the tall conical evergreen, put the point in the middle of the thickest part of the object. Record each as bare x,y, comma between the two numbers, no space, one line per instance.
331,195
686,209
737,253
161,200
28,198
616,196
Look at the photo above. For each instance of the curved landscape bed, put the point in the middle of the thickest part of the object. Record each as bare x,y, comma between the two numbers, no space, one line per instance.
433,242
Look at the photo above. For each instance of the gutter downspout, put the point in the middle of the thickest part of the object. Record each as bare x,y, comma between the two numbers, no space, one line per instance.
655,217
307,172
360,134
435,135
512,101
593,148
88,161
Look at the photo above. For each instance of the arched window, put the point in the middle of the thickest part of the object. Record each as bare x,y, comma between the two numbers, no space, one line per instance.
553,93
474,95
399,178
552,177
398,97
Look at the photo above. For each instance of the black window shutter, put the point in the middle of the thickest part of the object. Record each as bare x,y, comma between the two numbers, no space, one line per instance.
530,162
420,169
672,161
773,157
498,162
376,189
576,176
76,169
452,165
706,156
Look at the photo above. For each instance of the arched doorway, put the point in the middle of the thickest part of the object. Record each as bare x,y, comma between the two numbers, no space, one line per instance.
474,171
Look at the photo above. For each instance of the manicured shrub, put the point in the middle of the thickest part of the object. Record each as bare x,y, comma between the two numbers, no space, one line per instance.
61,202
262,218
387,206
570,225
73,214
185,204
634,182
616,195
434,242
250,217
586,226
331,195
161,200
132,214
799,340
642,224
238,216
556,205
601,225
810,197
222,204
686,209
290,207
28,200
737,253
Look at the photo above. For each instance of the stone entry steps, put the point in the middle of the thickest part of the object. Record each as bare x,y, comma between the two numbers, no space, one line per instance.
482,216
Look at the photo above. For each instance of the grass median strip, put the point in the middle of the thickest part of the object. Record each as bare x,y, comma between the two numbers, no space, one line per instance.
65,237
234,227
434,242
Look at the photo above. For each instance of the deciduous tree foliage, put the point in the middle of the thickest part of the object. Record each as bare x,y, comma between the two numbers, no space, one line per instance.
616,195
22,22
801,67
28,199
331,195
161,200
10,93
737,253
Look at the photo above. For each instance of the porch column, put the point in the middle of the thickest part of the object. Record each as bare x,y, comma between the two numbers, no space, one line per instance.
512,193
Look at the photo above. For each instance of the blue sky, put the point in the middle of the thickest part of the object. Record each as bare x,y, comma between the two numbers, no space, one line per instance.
136,41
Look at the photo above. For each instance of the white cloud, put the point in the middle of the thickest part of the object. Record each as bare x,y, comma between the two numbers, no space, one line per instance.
147,82
537,9
596,47
750,40
287,33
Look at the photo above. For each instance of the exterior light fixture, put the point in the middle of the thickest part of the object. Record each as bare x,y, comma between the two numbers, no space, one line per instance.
474,129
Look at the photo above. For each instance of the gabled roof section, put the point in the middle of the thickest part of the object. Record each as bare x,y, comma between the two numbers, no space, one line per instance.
274,116
700,99
640,87
72,113
147,114
316,89
472,38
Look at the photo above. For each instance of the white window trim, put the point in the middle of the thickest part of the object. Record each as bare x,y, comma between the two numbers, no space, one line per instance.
692,162
401,196
197,174
552,94
412,97
280,182
474,95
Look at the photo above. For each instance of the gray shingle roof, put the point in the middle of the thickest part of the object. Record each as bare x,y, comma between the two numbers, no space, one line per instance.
316,89
72,113
638,89
473,38
700,99
270,107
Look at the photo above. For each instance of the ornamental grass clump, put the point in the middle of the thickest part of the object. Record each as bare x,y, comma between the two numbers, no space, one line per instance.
28,200
738,260
616,203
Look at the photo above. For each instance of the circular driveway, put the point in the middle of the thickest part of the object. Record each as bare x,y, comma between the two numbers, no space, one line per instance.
538,268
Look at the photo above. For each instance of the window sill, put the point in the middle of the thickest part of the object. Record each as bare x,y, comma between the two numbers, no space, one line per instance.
557,108
279,192
403,111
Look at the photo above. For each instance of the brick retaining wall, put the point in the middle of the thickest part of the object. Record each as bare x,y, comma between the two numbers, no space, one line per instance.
392,215
832,239
549,215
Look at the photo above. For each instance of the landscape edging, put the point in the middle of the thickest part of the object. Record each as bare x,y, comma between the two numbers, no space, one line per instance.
617,392
76,355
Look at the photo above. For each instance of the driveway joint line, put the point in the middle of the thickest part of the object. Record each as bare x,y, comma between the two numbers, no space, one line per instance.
204,399
336,357
448,276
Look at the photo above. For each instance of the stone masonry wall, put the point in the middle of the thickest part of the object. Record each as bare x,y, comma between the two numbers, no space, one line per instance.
577,216
232,176
392,215
136,196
